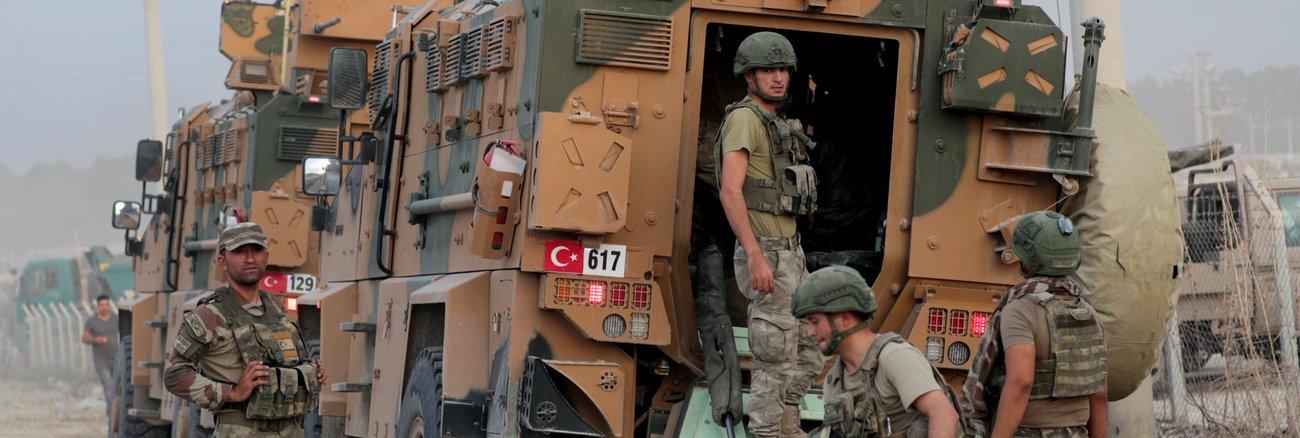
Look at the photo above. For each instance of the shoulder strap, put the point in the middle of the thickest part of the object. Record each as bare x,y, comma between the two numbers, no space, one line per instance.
878,346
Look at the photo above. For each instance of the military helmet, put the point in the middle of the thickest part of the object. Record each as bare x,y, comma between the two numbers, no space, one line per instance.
833,289
1047,244
763,50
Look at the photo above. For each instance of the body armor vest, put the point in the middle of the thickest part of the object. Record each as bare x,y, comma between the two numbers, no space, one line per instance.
860,412
794,191
292,388
1077,362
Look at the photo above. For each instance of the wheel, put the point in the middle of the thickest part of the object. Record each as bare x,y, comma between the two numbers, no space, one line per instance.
129,426
421,412
312,422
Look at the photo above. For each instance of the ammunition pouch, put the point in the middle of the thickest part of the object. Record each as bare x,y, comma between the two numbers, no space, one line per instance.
288,393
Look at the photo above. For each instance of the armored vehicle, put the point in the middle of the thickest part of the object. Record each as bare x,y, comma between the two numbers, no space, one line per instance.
227,162
505,245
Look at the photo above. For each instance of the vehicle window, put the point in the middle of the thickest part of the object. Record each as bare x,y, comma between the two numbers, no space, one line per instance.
1290,204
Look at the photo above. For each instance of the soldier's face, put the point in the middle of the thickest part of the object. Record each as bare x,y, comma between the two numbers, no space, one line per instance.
819,329
244,265
769,83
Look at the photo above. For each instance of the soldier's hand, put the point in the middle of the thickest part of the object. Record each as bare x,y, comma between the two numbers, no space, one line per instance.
320,372
253,377
760,274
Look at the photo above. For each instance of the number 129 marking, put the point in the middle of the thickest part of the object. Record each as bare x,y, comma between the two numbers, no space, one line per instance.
607,261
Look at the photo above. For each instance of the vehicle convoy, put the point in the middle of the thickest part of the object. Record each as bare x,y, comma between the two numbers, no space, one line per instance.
228,162
1237,226
500,203
506,253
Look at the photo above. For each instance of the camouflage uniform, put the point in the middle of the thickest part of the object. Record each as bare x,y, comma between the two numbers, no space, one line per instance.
1076,357
215,344
778,185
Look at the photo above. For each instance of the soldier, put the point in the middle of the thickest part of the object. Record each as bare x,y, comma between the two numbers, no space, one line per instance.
880,385
238,356
1040,370
764,183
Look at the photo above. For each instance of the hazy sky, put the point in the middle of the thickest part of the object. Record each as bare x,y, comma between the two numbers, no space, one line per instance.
74,82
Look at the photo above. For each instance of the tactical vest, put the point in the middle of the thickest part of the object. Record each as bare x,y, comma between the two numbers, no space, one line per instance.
1076,365
292,389
794,192
860,412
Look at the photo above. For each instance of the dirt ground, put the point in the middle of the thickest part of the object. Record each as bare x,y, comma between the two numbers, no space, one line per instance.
50,407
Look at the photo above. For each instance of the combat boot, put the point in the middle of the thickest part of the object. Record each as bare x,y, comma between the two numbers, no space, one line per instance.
790,422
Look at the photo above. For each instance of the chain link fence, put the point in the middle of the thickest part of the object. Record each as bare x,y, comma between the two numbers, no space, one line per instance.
1230,365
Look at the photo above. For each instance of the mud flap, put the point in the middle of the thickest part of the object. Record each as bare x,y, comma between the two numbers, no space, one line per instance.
544,408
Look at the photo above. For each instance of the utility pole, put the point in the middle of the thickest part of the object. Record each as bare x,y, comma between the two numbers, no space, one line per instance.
157,79
1110,68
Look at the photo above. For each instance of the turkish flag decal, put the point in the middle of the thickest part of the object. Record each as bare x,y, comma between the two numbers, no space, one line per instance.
563,256
274,282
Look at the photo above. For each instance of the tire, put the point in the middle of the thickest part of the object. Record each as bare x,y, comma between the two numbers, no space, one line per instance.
421,411
129,426
312,422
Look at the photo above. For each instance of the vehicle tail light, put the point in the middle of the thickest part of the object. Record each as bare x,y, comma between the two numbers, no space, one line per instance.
563,290
934,349
641,296
618,294
957,322
579,289
640,325
958,353
614,326
937,317
596,293
291,304
979,323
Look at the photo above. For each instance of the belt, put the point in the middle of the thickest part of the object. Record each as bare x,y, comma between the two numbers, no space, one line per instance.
237,418
778,243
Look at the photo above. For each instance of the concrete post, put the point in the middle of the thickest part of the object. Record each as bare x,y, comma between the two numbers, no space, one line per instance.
1173,369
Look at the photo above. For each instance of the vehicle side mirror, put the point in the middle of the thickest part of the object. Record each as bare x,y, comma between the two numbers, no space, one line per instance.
148,160
321,176
347,78
126,215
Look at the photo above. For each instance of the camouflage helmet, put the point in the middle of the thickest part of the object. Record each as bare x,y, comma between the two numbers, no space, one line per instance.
1047,244
833,289
763,50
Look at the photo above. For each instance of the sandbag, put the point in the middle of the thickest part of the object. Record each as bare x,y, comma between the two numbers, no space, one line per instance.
1127,215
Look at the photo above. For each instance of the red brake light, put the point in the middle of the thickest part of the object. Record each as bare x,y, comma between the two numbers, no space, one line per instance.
937,317
618,294
641,296
957,321
979,323
596,293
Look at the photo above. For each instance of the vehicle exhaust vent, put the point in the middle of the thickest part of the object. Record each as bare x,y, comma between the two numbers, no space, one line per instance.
298,142
472,48
256,72
217,147
451,61
379,78
500,44
231,153
624,40
433,71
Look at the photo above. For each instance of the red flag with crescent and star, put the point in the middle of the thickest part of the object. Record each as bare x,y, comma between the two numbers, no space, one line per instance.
563,256
274,282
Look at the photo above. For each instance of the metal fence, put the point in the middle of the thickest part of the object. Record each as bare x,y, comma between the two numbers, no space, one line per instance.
1230,361
54,336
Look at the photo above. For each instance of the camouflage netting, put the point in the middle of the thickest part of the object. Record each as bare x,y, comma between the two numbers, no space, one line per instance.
1128,217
